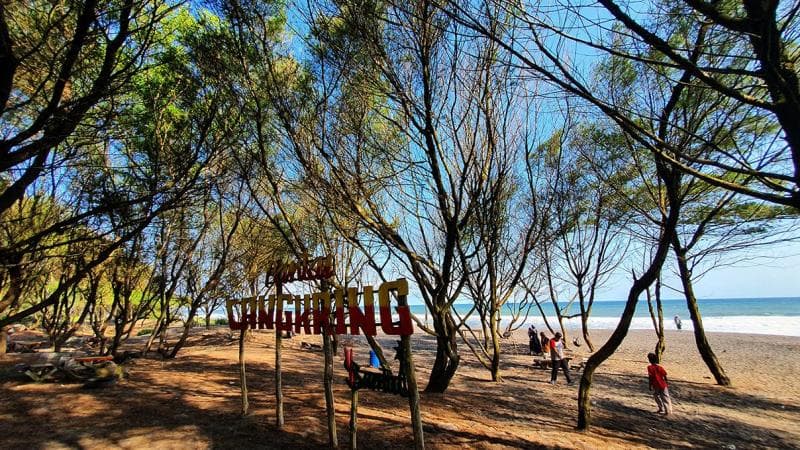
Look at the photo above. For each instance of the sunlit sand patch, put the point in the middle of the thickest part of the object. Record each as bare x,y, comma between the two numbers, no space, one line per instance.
185,437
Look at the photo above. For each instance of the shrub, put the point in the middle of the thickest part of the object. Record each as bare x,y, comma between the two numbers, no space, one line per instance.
144,332
220,321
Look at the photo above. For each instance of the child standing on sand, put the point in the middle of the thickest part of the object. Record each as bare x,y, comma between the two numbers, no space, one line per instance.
658,384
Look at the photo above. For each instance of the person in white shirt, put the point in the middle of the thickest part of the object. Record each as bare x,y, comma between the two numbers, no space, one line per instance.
557,359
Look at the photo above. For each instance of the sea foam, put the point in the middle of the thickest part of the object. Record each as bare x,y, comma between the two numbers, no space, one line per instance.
774,325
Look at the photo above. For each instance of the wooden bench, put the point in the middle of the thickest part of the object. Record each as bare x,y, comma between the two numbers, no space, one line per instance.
545,362
56,364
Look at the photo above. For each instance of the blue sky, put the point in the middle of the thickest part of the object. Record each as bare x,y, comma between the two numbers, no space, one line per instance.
775,273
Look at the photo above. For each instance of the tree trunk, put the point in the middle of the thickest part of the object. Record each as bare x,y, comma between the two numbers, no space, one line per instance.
116,340
639,286
495,369
694,312
585,311
3,340
243,371
156,332
447,359
661,345
585,330
330,406
608,349
657,318
543,314
278,377
327,378
563,329
185,334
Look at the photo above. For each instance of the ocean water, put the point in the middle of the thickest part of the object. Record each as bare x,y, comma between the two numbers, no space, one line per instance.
776,316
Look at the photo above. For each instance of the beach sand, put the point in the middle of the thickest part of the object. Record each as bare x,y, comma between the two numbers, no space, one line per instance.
194,401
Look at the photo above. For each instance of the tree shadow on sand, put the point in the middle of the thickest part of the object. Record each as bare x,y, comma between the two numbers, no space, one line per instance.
686,430
142,407
196,397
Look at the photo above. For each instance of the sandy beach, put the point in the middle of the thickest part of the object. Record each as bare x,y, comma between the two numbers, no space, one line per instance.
193,401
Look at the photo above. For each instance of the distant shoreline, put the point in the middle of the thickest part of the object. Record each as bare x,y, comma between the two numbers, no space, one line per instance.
765,325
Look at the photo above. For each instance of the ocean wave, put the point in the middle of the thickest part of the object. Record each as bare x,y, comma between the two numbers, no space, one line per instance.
773,325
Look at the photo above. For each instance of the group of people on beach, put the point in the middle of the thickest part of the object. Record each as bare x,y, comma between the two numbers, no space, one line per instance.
540,344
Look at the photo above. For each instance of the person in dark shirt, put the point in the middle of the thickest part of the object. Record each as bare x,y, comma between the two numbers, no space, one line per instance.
533,341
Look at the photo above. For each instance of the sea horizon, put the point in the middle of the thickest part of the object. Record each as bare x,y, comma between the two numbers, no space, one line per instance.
758,315
778,316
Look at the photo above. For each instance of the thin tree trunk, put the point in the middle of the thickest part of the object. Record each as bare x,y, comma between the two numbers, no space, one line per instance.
544,316
662,342
156,332
185,334
327,379
243,371
278,377
554,301
584,319
330,406
3,340
700,339
585,330
584,316
495,369
563,329
608,349
657,317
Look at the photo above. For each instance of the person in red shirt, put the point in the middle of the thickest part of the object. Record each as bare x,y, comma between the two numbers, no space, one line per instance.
658,384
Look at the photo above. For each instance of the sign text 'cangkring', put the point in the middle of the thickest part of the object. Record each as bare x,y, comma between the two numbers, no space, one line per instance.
312,312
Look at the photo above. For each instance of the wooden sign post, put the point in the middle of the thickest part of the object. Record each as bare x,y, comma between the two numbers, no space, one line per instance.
314,314
411,378
404,383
